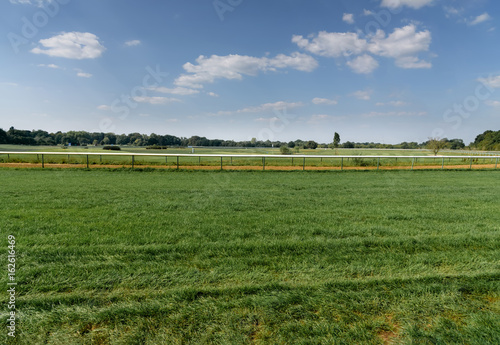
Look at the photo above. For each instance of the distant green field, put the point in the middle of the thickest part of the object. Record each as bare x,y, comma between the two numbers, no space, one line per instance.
286,161
162,257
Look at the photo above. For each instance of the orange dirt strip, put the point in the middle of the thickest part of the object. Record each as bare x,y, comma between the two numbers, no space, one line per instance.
245,167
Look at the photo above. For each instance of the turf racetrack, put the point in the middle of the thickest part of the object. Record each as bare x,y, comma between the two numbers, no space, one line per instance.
200,257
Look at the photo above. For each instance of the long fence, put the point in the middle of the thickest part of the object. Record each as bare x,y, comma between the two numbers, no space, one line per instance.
89,159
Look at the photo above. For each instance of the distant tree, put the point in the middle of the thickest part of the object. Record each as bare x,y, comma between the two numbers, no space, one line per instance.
336,140
489,140
311,144
291,144
436,145
3,137
348,145
285,150
122,139
456,144
106,141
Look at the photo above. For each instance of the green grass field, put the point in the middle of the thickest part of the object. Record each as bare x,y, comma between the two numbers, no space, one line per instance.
285,161
162,257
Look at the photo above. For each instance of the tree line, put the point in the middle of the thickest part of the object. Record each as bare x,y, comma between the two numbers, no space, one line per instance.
489,140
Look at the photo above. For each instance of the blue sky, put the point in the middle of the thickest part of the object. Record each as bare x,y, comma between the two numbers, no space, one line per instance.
372,70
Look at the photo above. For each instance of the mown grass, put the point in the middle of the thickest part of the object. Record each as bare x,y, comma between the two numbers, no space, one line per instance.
107,158
163,257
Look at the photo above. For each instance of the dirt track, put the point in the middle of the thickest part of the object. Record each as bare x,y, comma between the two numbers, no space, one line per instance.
245,167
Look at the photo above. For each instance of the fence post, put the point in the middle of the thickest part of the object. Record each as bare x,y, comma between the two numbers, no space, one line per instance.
43,163
177,162
87,161
263,163
470,167
133,161
412,162
221,163
496,164
442,165
304,164
378,163
342,163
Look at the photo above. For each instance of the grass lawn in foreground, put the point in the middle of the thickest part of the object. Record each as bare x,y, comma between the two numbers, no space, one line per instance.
161,257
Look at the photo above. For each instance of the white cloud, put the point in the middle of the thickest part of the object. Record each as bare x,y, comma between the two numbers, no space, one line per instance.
452,11
416,4
491,81
172,120
394,114
363,95
364,64
332,44
324,101
491,103
9,84
104,107
50,66
480,19
234,67
181,91
321,118
348,18
392,104
212,94
317,119
271,107
155,100
263,108
71,45
265,119
84,75
412,62
132,43
38,3
403,45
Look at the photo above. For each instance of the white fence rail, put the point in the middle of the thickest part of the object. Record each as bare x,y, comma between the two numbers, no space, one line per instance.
341,158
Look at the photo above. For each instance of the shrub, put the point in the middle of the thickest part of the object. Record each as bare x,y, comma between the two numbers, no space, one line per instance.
285,150
111,147
156,147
